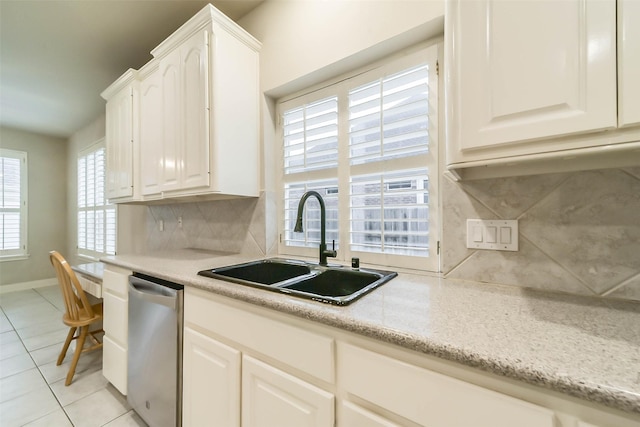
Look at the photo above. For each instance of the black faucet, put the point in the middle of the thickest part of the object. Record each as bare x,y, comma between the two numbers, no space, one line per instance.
324,253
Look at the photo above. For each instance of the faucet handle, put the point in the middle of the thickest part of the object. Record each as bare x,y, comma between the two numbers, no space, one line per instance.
331,253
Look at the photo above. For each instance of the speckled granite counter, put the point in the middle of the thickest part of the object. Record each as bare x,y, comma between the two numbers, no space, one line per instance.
95,270
584,347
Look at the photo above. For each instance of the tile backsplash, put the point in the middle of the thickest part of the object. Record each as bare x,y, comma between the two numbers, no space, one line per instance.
578,232
234,225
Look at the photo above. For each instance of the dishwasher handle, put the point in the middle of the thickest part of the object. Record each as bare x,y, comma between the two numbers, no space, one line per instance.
152,292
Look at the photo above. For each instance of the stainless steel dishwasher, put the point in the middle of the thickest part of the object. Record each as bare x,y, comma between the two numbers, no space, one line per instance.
155,350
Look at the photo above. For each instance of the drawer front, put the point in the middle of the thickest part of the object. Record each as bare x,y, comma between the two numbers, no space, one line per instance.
115,318
116,281
304,350
114,364
89,286
429,398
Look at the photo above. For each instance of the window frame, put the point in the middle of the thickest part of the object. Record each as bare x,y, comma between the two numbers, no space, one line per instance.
23,251
88,254
430,52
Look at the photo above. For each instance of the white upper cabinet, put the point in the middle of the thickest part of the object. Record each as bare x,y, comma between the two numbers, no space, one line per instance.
119,130
210,108
628,62
525,78
197,122
150,132
185,110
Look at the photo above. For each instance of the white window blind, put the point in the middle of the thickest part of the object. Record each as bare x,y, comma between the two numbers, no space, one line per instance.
96,219
13,203
368,145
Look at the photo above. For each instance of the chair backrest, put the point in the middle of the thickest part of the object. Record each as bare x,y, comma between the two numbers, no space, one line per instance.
74,297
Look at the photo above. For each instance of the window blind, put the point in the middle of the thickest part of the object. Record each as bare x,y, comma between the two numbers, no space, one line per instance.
368,145
13,202
96,218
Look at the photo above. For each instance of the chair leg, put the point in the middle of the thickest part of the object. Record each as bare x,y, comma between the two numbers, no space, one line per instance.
65,347
76,356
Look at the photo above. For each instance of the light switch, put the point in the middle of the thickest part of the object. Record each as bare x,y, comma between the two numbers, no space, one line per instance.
493,234
477,233
505,235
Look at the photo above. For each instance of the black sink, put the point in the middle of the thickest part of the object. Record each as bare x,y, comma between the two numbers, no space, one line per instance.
264,272
335,283
331,284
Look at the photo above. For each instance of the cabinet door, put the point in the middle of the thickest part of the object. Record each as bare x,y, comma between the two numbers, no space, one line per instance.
211,382
114,364
530,70
170,121
150,134
115,317
119,144
628,62
194,162
271,397
354,415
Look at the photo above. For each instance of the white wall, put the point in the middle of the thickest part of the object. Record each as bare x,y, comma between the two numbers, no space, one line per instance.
306,40
47,204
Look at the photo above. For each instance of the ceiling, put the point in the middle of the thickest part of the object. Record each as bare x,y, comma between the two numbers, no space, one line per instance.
57,56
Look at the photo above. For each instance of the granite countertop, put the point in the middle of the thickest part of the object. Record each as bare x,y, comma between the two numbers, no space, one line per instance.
94,270
585,347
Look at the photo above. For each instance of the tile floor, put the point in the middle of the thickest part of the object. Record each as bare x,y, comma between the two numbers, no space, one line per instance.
32,390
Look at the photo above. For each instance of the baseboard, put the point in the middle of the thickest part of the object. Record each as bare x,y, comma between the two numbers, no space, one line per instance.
23,286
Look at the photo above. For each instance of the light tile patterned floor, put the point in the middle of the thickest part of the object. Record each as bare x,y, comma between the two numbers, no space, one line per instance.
32,390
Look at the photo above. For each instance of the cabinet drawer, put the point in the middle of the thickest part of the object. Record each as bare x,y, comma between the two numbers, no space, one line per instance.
429,398
114,364
115,318
299,348
116,280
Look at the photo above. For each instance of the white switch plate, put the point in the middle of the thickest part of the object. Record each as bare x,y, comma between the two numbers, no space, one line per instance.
494,234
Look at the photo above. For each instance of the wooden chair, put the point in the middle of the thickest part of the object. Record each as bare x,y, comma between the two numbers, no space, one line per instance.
80,314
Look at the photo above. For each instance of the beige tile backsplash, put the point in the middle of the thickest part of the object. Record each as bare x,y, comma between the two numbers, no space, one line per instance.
235,225
579,232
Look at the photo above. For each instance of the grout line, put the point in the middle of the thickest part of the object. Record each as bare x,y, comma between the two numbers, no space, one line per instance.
541,199
35,364
562,266
620,285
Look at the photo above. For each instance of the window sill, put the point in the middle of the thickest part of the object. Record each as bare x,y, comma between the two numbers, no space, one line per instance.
21,257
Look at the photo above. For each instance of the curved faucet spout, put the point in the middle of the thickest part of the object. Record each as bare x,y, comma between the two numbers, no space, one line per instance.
324,253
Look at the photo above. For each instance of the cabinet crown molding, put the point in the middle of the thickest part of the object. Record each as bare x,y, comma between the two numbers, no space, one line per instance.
125,79
206,16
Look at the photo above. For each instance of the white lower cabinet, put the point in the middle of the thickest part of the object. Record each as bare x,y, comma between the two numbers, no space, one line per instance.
211,382
428,398
115,283
249,366
271,397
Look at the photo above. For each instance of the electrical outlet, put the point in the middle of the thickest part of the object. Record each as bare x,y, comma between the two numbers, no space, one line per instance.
161,225
497,235
179,222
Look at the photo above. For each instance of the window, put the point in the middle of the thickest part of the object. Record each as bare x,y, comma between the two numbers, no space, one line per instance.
96,218
368,145
13,206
